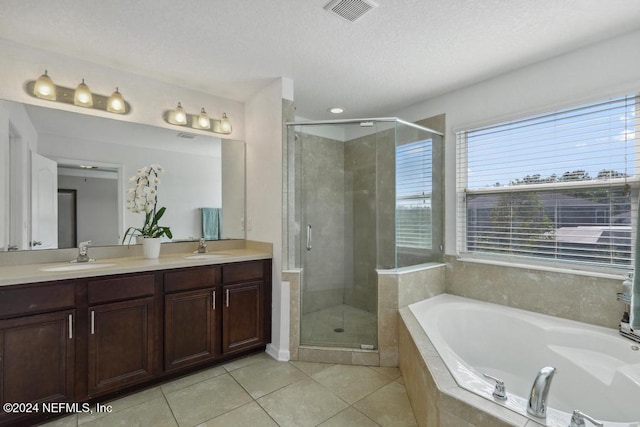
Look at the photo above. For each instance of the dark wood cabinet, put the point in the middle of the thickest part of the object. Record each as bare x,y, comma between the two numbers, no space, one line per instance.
242,322
37,359
246,312
190,333
87,338
191,319
120,345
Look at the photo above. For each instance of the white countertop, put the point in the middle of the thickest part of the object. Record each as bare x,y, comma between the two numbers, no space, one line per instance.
32,273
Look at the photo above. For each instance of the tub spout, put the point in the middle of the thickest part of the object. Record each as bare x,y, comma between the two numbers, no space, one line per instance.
537,405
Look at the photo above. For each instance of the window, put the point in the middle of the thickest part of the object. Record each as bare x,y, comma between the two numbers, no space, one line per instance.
413,195
560,186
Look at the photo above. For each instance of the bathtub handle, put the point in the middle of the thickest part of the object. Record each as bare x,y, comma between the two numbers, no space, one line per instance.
500,391
577,419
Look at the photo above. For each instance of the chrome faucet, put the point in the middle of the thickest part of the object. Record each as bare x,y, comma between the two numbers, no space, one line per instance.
537,405
202,247
577,420
83,251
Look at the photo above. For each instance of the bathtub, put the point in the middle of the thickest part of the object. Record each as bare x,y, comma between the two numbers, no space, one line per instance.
598,372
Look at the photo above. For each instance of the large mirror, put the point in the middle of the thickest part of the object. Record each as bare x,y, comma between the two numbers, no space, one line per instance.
64,178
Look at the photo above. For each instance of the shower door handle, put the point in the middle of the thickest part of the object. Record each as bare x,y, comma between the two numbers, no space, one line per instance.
309,237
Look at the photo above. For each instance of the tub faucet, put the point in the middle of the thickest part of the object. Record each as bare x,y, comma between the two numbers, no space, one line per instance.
577,420
83,251
537,405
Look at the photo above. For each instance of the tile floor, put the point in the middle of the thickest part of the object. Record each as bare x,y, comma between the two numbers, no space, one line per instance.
258,391
339,326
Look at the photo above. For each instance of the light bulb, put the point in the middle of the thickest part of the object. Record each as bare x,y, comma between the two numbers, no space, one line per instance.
225,124
44,87
115,103
179,116
203,120
83,96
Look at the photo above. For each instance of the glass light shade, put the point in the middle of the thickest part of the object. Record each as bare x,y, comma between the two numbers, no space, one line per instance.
83,96
203,120
225,124
44,87
178,116
115,103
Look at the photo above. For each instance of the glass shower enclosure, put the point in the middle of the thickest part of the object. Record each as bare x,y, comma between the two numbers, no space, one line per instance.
362,195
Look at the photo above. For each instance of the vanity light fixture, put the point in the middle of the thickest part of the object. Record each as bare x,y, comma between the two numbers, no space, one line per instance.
81,96
225,124
200,121
44,87
177,116
115,103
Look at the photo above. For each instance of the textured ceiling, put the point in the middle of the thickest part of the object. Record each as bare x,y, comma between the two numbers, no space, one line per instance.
402,52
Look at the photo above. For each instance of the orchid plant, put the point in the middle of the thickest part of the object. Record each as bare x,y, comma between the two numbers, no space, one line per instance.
142,197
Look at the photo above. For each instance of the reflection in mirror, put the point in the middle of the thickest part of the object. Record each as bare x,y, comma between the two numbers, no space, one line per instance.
64,178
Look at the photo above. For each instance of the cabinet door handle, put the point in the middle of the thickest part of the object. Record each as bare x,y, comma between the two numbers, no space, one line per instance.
71,326
227,297
213,301
93,322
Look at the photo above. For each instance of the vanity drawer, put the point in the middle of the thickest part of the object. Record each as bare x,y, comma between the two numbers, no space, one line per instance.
190,279
242,271
101,291
38,298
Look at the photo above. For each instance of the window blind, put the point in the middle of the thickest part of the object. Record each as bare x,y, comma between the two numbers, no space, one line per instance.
559,186
413,194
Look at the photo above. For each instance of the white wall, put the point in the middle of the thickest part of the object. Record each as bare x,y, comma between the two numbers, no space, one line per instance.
149,98
264,193
606,69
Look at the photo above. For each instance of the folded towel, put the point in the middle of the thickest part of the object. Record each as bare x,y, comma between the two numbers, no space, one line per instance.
211,223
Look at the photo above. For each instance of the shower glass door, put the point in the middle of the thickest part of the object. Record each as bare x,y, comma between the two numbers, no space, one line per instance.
336,216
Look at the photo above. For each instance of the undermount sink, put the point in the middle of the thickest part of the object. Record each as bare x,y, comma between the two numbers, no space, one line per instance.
77,266
206,256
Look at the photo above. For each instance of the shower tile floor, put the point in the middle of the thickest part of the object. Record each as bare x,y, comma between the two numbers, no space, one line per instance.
259,391
339,326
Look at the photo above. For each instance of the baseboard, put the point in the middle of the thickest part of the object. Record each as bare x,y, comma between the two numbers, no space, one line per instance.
279,355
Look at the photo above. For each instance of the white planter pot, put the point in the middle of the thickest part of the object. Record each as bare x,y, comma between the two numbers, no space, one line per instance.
151,247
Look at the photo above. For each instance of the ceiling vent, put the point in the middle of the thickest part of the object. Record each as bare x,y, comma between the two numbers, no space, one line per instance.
351,10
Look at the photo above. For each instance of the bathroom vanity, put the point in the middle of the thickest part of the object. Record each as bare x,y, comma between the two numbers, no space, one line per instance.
133,323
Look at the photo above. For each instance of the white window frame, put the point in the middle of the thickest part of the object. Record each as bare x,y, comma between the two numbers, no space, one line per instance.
461,206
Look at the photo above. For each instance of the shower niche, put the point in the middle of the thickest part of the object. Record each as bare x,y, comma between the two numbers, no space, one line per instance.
362,195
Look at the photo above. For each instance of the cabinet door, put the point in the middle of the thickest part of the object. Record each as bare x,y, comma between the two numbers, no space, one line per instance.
189,328
121,345
37,358
242,319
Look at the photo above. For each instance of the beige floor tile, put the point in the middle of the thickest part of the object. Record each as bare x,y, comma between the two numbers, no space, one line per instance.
311,368
206,400
179,383
122,404
249,415
350,417
392,373
351,383
301,404
246,361
388,406
154,413
262,378
69,421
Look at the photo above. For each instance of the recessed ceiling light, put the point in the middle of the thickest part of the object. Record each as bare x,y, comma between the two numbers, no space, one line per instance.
336,110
